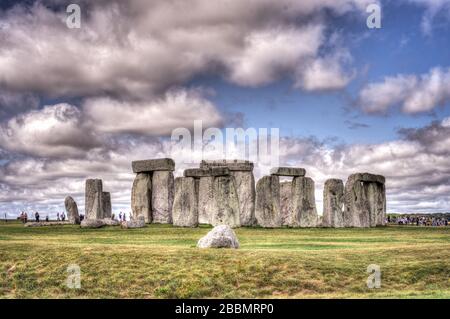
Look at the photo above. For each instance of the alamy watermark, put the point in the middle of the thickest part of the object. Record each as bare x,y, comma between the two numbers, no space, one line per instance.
253,144
73,280
374,19
73,20
374,279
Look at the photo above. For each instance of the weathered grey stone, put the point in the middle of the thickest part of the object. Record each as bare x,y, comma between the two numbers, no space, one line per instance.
376,195
219,171
365,200
110,222
93,199
233,165
134,223
162,196
333,203
159,164
268,211
285,202
72,210
46,224
141,197
245,188
356,209
197,172
288,171
304,212
92,223
106,204
221,236
226,202
185,204
206,201
368,177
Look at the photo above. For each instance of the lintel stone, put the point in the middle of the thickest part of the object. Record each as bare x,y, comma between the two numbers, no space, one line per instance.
159,164
233,165
288,171
367,177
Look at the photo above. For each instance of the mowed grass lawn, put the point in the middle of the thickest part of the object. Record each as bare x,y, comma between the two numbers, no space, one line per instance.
161,261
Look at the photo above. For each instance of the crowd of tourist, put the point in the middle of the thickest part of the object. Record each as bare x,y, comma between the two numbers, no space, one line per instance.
418,220
24,217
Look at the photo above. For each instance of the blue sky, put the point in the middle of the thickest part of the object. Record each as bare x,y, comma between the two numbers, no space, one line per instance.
82,103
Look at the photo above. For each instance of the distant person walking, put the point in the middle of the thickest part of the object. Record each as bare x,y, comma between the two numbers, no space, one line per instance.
63,216
120,216
36,216
57,217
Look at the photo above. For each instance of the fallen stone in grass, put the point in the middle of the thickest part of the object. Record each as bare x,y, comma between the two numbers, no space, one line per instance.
92,223
111,222
42,224
134,223
221,236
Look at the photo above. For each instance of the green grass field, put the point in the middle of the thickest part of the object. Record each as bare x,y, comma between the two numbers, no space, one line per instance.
161,261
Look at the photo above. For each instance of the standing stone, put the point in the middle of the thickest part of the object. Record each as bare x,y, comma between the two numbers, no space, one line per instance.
226,202
285,202
106,204
365,200
377,204
245,188
72,210
185,204
304,213
268,211
141,196
206,201
357,211
93,199
333,203
162,196
158,164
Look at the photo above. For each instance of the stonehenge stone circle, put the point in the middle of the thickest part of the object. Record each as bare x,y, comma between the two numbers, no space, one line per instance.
268,211
288,171
333,203
304,212
93,199
159,164
141,197
221,236
223,192
162,196
185,204
72,210
106,204
365,200
285,202
226,202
